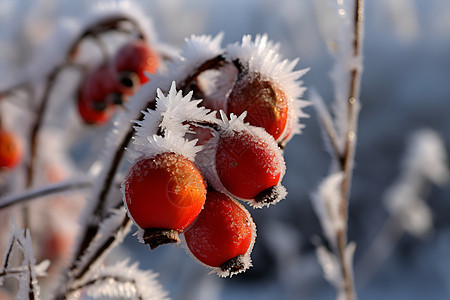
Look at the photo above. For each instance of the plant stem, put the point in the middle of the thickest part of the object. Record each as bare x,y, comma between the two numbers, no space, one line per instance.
347,159
51,189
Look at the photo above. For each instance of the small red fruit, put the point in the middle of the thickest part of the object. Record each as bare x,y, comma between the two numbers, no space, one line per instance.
247,165
93,112
223,234
10,150
94,96
135,58
265,103
163,193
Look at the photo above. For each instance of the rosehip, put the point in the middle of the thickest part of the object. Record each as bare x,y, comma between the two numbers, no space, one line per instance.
94,96
247,165
223,235
10,150
265,103
135,58
163,195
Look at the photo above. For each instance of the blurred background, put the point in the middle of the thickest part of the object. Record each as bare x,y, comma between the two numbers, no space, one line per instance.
405,87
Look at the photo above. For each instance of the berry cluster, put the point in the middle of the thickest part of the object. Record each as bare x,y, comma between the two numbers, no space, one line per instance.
112,82
195,159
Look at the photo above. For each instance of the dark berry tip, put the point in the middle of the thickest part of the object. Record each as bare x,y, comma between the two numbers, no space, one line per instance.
234,265
268,196
155,237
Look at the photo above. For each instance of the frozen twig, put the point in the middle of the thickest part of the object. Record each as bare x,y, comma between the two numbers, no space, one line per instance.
123,280
51,189
28,272
343,132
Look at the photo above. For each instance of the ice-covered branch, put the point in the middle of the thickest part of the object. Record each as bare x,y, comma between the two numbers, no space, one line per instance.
28,271
48,190
123,280
343,33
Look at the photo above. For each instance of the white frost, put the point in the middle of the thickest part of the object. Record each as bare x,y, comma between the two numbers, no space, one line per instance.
326,205
127,281
164,129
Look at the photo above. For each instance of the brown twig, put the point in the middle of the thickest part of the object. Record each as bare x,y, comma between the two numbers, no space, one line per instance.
51,189
347,159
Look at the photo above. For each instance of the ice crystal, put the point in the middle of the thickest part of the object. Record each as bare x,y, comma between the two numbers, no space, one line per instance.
127,281
163,129
28,272
196,51
326,205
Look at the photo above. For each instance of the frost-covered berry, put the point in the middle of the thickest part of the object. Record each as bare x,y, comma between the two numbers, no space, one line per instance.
96,96
10,150
265,103
247,165
133,60
267,87
223,235
163,195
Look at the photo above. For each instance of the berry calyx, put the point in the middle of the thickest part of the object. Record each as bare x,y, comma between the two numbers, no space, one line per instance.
10,150
163,193
265,103
223,235
136,57
247,165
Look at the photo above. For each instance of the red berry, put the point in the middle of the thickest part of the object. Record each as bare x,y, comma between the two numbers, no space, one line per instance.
164,192
94,96
10,150
266,104
223,234
92,112
247,165
136,57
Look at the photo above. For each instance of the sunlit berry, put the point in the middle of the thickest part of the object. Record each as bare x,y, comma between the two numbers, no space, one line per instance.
133,59
223,235
247,165
163,195
10,150
265,103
